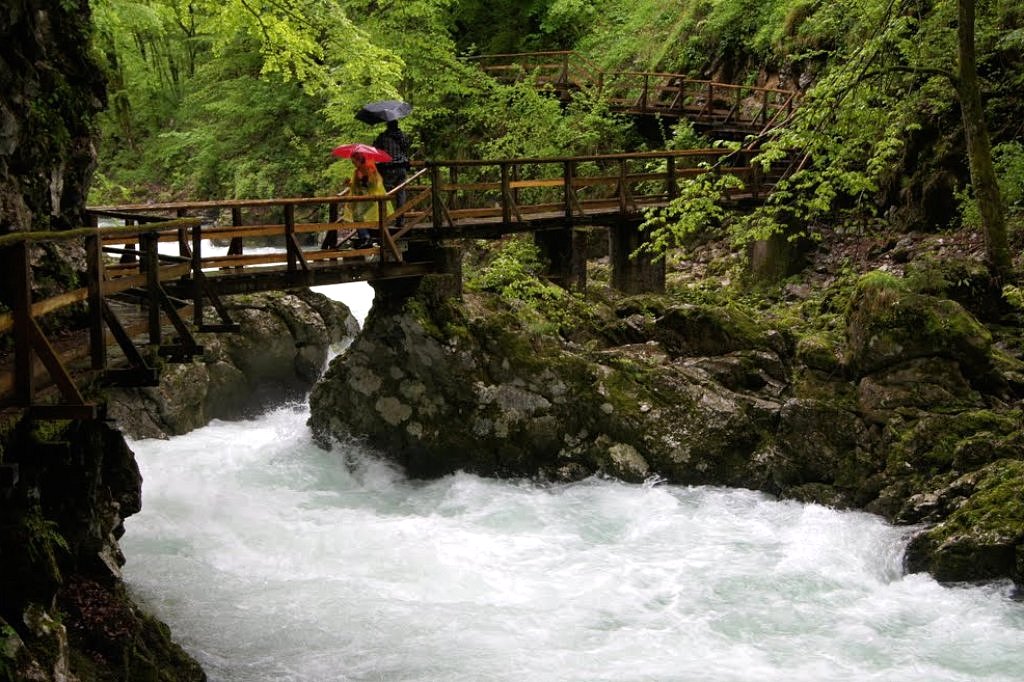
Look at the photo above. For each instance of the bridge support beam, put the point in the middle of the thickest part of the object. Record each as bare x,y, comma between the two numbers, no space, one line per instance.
446,282
633,275
566,253
779,256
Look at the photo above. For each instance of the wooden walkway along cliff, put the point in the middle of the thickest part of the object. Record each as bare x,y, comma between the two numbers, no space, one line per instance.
161,256
724,110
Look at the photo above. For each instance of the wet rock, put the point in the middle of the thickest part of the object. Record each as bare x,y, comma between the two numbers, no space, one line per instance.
443,391
888,417
888,326
983,536
279,353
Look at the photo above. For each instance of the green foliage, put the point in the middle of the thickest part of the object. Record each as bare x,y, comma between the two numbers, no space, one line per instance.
44,543
1014,296
697,208
513,271
231,99
1008,159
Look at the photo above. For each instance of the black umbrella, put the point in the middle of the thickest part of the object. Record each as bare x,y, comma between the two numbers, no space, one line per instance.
383,111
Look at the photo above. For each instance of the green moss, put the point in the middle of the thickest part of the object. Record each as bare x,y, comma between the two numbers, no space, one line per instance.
819,351
43,544
995,512
876,279
961,279
419,311
931,445
48,431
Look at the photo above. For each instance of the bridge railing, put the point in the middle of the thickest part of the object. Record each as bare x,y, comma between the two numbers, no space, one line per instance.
162,245
159,244
280,231
25,320
522,192
706,102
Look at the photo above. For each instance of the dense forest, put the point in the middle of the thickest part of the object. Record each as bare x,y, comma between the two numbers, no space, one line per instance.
245,99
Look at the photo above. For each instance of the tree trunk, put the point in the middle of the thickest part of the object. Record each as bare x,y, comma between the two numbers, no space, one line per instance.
979,148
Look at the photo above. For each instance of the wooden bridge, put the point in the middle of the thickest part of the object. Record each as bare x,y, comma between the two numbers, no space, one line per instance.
725,110
161,257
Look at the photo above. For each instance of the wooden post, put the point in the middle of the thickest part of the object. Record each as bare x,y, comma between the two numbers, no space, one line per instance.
622,186
197,274
670,170
644,94
764,109
453,178
435,196
567,188
183,249
331,237
151,265
20,277
289,236
506,209
95,275
515,178
235,246
129,257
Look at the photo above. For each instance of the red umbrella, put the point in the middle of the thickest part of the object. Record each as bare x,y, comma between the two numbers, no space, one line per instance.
346,151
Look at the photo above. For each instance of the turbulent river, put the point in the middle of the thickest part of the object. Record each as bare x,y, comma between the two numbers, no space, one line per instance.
274,560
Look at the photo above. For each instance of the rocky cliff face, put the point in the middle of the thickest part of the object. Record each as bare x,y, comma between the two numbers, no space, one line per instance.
66,487
50,89
908,413
64,612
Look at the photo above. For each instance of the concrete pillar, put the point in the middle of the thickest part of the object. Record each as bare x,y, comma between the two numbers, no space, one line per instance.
633,275
566,253
773,259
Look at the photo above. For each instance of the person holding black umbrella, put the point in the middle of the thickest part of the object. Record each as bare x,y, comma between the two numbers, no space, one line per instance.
394,172
393,141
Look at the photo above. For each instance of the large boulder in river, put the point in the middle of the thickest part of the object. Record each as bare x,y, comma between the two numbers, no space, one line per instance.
441,390
439,385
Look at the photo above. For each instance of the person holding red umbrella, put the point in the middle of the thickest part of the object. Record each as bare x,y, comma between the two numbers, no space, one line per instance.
365,181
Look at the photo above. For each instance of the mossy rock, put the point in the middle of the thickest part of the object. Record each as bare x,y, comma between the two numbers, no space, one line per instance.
938,443
821,351
928,384
887,325
983,539
700,330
